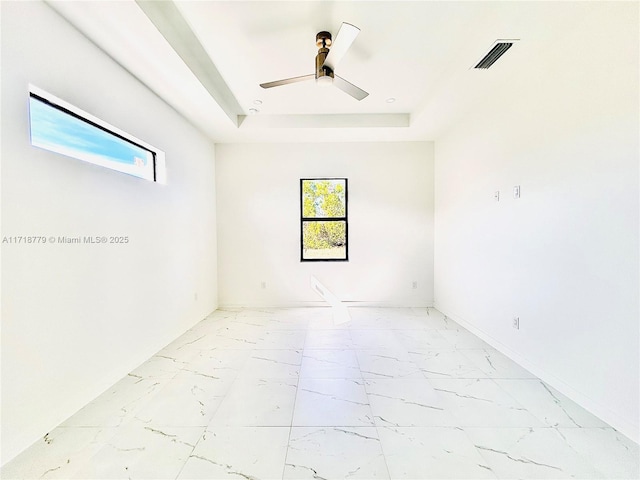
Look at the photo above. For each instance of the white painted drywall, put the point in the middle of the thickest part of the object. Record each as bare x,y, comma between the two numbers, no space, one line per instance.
390,223
76,318
563,257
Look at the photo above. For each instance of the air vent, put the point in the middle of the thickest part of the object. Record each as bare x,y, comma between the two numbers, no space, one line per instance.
497,50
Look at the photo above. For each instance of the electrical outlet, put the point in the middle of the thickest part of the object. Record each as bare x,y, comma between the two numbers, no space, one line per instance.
516,191
516,323
415,284
496,195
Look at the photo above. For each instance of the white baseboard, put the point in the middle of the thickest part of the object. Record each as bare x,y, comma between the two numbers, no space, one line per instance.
320,303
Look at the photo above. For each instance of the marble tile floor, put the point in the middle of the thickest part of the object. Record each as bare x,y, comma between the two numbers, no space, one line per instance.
286,394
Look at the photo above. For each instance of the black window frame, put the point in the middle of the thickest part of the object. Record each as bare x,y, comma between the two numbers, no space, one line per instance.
344,219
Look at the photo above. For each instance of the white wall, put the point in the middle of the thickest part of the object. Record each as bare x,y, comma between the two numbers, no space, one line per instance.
390,223
76,318
564,257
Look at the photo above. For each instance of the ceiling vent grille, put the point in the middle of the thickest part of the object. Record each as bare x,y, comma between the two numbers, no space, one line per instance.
497,50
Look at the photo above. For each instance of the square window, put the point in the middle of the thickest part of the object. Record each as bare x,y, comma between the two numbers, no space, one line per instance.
324,227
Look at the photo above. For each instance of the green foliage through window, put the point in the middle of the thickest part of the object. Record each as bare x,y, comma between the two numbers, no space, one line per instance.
324,219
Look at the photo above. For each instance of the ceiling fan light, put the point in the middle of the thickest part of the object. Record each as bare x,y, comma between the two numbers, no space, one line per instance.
324,81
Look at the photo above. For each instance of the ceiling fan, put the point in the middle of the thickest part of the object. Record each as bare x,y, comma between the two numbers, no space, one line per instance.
327,60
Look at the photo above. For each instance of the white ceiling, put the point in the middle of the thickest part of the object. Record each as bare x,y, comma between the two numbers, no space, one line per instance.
207,59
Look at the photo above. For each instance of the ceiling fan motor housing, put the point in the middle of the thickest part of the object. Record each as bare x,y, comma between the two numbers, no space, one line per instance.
323,74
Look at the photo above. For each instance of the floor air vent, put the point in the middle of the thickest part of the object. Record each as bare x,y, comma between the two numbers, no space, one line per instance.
497,50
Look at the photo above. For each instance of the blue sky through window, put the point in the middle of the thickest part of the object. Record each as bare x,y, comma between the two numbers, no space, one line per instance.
60,132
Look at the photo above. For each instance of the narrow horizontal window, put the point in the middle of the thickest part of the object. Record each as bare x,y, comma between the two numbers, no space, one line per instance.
324,226
62,128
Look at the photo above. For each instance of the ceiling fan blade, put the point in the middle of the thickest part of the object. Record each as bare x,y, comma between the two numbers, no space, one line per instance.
345,37
349,88
287,81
